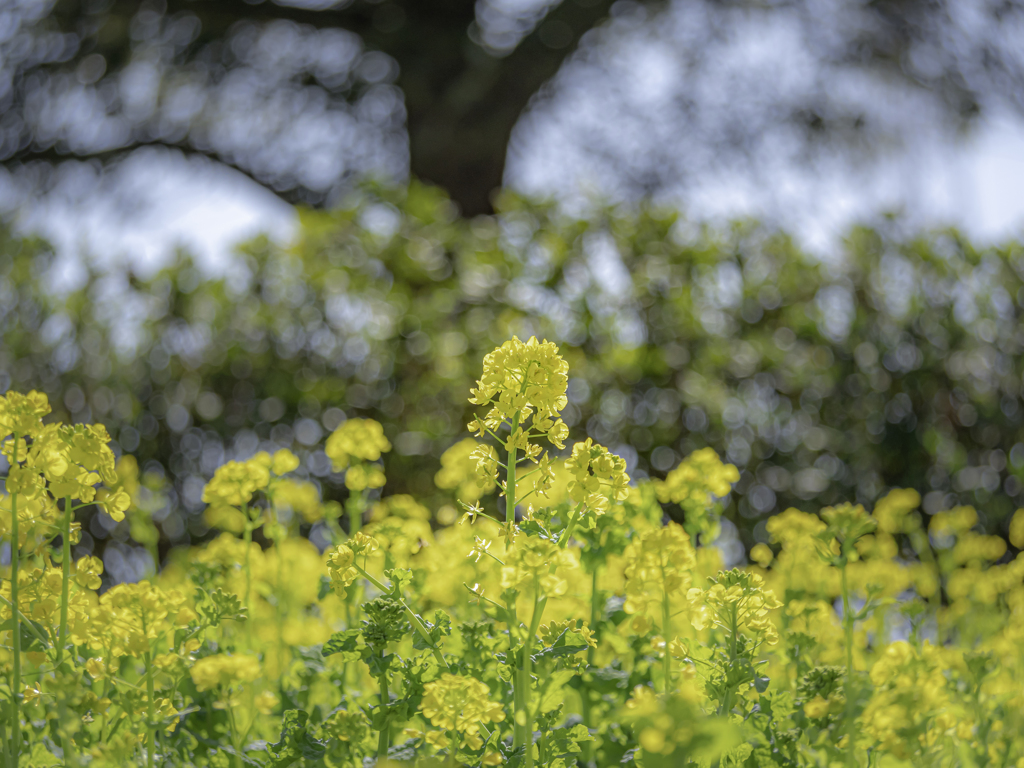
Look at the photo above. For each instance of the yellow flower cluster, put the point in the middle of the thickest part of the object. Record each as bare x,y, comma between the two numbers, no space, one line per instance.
460,705
88,572
353,446
519,380
298,496
735,601
470,469
533,560
658,565
1017,529
598,476
340,561
61,460
236,482
911,706
698,479
22,415
131,616
224,670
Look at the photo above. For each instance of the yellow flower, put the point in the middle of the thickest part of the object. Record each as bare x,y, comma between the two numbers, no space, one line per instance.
521,377
471,474
361,440
736,601
236,482
761,554
283,462
340,561
265,702
521,380
658,563
1017,529
597,476
22,414
529,562
298,496
359,477
87,572
224,670
460,704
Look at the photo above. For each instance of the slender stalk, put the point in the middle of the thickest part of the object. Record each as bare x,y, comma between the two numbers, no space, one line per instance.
65,589
848,632
453,747
527,675
413,618
150,707
66,739
236,739
666,631
588,715
16,615
247,535
563,540
733,631
383,737
518,704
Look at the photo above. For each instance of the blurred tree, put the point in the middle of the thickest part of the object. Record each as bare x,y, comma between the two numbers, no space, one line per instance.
303,94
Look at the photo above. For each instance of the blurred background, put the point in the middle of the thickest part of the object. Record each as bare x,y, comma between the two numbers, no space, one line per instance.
784,229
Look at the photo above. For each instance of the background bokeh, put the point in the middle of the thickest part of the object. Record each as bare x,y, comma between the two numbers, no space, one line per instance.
432,177
900,368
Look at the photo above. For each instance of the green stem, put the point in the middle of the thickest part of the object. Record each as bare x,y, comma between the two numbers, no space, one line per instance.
16,615
150,708
247,536
848,620
666,631
413,618
453,747
733,632
65,589
526,672
236,739
383,737
519,714
65,592
588,715
563,540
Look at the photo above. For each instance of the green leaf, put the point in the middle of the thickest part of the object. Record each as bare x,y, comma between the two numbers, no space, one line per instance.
348,644
296,741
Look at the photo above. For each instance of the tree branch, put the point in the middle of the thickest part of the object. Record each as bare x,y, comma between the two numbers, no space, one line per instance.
293,196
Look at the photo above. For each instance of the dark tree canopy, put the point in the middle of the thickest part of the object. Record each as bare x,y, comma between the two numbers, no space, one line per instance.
302,96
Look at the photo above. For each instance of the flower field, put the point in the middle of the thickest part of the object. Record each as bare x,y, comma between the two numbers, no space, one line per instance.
551,615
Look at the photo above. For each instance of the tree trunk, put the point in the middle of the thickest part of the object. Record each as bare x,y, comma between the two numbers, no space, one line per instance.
462,102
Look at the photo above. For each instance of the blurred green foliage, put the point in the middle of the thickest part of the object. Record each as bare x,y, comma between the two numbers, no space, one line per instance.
898,364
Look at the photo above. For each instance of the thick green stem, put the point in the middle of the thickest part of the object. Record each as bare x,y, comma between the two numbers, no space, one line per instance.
16,616
62,632
733,638
247,535
666,631
383,737
588,715
848,620
518,704
563,540
150,710
65,588
539,603
236,738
